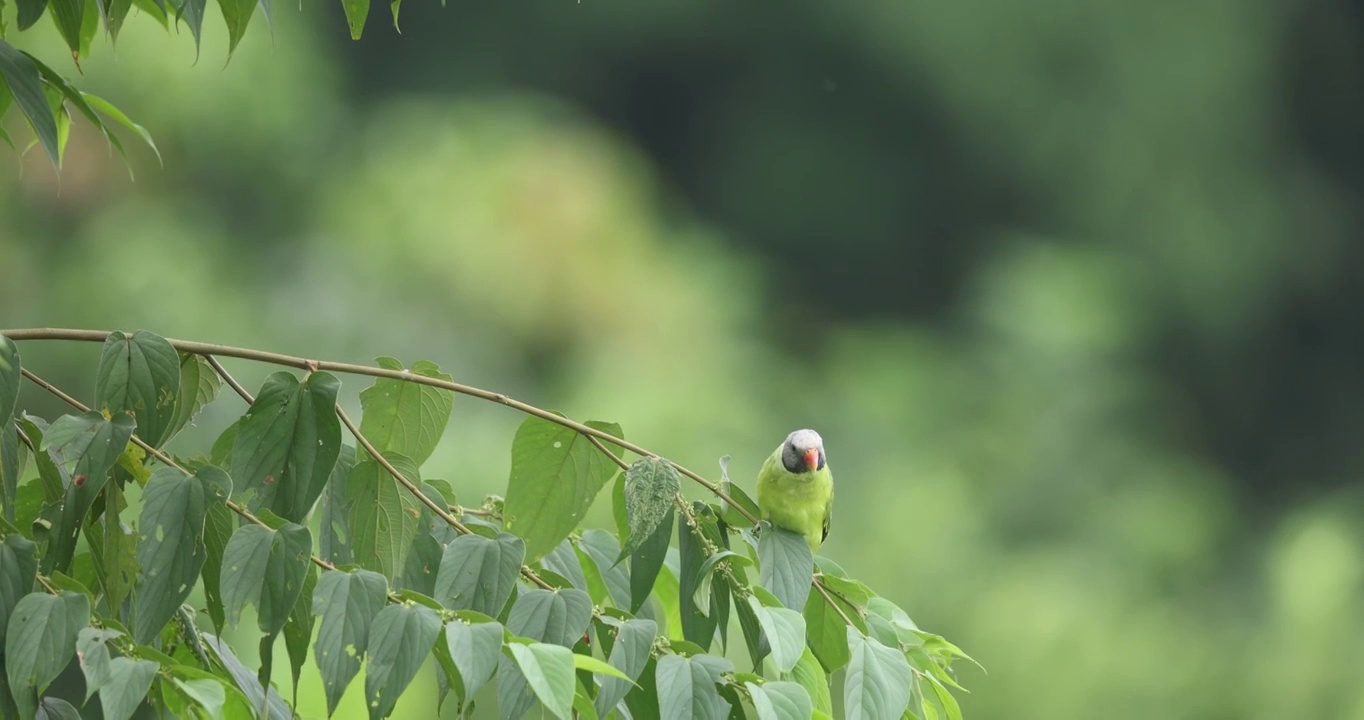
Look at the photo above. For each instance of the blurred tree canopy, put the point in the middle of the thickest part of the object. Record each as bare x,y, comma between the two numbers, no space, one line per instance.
1071,285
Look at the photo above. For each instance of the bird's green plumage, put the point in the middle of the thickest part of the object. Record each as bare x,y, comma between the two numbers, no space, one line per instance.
800,502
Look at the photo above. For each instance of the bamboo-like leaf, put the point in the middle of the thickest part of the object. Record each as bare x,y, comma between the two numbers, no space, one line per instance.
21,75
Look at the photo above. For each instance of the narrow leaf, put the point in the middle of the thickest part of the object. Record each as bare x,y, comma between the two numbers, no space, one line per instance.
29,12
651,484
356,12
697,626
335,538
199,385
246,680
237,15
647,560
67,15
298,629
219,522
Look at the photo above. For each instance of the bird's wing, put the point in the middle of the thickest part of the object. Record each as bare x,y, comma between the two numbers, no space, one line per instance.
828,516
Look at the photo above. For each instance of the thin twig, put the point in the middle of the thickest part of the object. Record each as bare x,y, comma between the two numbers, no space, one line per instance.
607,451
231,381
822,591
199,348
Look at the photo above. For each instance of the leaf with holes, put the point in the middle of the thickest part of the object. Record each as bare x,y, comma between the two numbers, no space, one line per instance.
170,549
334,530
347,602
139,374
556,473
404,417
402,637
651,485
95,444
287,444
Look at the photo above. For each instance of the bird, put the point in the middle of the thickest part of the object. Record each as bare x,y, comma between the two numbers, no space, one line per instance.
796,487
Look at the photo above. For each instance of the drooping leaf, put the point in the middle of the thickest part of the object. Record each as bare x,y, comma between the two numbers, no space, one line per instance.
107,108
785,631
423,560
555,474
478,573
686,689
878,680
191,692
826,633
779,700
348,602
787,565
601,549
651,484
629,654
383,516
298,629
754,638
192,12
219,522
237,15
13,458
129,682
563,560
647,560
21,75
114,15
810,675
96,444
246,680
404,417
356,12
334,531
944,695
18,568
559,617
138,374
401,638
199,385
265,568
67,15
287,444
170,549
92,651
548,670
475,649
29,12
55,708
10,378
39,642
697,626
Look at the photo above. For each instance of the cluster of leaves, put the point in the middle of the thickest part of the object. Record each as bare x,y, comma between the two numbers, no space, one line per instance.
47,100
512,601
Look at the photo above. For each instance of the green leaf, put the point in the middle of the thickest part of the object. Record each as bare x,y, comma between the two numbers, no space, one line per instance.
754,639
129,682
348,603
555,474
96,444
298,629
563,560
629,654
651,484
107,108
356,12
475,649
334,529
199,385
559,617
647,560
219,522
779,700
18,569
601,548
825,632
246,680
785,631
732,516
382,515
949,703
549,671
138,374
686,689
29,12
192,12
67,15
39,642
643,700
787,565
402,638
853,590
810,675
237,15
589,664
399,416
10,376
13,458
265,568
191,692
423,560
697,626
478,573
878,680
21,75
170,549
114,15
287,444
92,651
55,708
51,472
90,21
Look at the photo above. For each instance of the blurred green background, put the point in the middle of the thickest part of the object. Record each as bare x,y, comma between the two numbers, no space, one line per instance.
1071,290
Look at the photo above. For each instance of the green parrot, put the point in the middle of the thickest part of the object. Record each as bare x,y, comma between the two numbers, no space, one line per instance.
796,489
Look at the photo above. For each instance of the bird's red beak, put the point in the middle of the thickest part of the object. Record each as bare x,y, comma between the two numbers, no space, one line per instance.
812,459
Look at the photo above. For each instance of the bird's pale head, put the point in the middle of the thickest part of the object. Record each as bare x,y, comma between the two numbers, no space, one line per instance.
803,452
